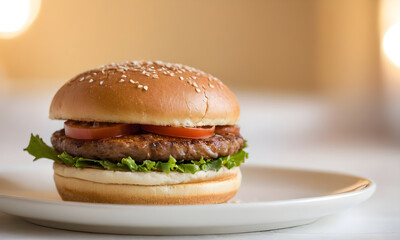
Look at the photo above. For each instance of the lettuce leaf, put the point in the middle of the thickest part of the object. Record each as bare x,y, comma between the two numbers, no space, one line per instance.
39,149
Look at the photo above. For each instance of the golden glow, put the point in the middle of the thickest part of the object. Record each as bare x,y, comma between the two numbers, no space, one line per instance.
16,16
391,44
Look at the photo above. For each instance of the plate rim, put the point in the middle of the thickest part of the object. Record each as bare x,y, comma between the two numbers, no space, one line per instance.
370,189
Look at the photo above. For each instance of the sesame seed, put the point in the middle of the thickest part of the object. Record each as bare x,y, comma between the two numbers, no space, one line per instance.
148,74
91,80
88,76
82,78
172,74
101,82
123,76
121,80
194,77
181,78
197,90
94,74
140,86
155,76
211,86
145,88
133,82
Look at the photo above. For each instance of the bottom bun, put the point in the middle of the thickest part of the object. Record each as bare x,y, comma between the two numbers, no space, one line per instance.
212,189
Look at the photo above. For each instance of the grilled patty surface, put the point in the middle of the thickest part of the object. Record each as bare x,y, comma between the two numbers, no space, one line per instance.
150,146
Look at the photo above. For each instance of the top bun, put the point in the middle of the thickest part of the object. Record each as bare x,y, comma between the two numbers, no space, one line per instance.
145,92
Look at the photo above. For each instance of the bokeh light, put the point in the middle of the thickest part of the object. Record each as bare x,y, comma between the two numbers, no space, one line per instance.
16,16
391,44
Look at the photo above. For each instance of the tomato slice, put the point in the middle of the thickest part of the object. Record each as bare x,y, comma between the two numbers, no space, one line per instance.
181,132
228,129
91,131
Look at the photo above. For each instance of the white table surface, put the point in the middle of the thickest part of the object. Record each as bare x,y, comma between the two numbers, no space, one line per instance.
276,142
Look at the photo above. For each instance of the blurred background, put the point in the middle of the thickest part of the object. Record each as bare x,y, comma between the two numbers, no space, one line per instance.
315,78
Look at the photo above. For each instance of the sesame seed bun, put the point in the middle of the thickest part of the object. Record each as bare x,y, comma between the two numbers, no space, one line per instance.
154,93
111,187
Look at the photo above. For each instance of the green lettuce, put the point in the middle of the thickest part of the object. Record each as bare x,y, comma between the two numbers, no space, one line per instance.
39,149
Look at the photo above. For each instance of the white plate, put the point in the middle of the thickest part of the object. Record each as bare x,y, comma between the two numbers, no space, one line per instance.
269,198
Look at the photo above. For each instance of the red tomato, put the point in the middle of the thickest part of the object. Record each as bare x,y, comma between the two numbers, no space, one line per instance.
90,131
181,132
227,129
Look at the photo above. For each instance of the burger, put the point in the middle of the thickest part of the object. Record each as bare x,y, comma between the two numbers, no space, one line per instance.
144,132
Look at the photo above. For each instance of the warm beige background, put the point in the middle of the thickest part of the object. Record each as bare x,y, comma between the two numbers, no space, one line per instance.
311,46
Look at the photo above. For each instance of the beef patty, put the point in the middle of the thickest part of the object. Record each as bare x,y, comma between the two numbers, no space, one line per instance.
150,146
